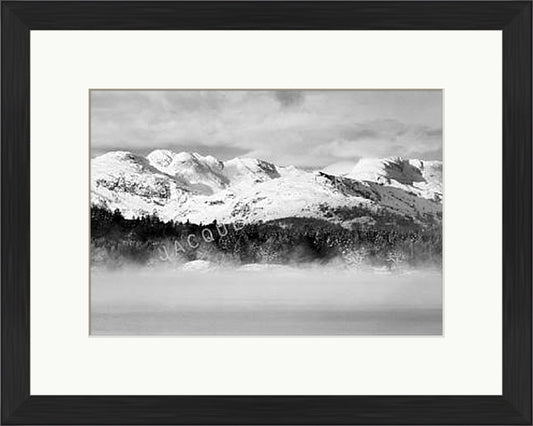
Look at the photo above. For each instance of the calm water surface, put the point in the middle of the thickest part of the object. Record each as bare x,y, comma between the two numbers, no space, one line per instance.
265,301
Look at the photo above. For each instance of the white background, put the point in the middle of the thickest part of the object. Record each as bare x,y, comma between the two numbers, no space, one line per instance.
65,360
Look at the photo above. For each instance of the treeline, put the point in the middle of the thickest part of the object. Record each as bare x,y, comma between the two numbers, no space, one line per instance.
148,240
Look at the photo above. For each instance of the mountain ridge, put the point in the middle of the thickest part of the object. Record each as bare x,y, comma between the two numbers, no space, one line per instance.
189,186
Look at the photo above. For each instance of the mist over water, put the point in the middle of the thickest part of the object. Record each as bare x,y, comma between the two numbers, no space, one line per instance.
200,299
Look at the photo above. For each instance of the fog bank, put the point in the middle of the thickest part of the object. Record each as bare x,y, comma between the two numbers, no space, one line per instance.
264,300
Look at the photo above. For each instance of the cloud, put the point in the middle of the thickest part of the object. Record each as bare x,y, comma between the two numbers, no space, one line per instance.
289,98
304,128
383,138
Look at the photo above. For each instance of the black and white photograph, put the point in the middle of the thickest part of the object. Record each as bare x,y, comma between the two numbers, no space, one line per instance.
266,212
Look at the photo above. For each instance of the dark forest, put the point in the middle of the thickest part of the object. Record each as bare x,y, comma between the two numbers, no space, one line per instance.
389,241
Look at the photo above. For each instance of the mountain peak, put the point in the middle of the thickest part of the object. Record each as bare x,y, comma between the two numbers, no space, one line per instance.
162,157
250,169
420,176
120,160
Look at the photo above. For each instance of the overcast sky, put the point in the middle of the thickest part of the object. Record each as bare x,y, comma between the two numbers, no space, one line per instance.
303,128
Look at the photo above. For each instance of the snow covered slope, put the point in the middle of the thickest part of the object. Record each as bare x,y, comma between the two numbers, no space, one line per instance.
424,178
188,186
128,182
202,173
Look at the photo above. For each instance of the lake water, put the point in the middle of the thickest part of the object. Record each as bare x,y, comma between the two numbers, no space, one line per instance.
265,300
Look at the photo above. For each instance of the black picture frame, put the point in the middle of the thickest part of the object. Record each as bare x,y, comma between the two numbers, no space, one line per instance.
20,17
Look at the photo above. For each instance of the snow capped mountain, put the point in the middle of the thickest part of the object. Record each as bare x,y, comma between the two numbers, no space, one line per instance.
188,186
127,181
424,178
202,173
249,170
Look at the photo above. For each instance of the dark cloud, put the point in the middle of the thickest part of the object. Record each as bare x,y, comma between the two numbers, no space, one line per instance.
289,98
359,132
434,132
391,130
